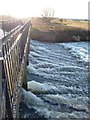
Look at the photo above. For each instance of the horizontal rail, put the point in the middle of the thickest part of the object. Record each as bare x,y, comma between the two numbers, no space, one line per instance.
10,34
8,25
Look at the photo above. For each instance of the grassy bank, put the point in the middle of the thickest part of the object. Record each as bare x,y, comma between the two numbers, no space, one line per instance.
59,30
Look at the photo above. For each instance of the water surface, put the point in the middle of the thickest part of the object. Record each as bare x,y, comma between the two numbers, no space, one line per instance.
57,81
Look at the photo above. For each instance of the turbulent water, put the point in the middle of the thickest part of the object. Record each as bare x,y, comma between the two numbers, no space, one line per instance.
57,81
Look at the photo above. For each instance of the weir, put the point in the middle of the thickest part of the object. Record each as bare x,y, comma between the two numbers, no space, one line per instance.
14,48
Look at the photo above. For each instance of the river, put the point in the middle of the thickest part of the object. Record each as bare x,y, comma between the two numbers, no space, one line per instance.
57,81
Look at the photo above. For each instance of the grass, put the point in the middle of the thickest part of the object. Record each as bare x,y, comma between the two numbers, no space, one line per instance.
46,24
58,30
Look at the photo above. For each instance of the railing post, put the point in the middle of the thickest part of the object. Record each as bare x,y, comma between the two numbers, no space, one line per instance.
3,28
1,80
0,85
2,89
25,80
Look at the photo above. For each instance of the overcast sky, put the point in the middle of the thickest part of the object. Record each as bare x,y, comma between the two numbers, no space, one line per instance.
77,9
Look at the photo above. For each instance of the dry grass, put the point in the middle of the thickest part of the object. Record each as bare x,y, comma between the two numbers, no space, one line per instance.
78,24
58,24
59,30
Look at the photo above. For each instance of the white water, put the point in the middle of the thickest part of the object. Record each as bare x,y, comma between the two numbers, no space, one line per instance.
37,87
78,50
58,85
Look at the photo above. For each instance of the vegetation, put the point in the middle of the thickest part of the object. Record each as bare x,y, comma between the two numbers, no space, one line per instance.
48,12
59,30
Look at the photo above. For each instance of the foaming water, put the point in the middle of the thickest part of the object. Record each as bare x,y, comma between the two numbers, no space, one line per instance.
79,50
57,81
37,87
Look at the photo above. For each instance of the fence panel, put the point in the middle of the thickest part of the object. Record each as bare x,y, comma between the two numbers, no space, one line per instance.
15,52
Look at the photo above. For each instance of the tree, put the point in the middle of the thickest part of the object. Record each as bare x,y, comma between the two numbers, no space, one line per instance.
48,12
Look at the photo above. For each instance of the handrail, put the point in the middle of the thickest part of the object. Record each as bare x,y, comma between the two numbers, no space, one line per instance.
8,25
10,33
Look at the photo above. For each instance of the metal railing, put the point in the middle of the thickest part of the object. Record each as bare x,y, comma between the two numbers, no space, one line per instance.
14,51
8,25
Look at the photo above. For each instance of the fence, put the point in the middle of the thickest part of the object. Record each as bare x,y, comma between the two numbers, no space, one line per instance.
7,26
14,59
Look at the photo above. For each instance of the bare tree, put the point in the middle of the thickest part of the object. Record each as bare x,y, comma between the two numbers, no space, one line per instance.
48,12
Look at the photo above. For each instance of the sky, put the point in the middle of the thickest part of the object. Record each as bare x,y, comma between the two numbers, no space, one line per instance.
74,9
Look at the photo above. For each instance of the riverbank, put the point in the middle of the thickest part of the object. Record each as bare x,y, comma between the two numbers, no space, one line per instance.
59,30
